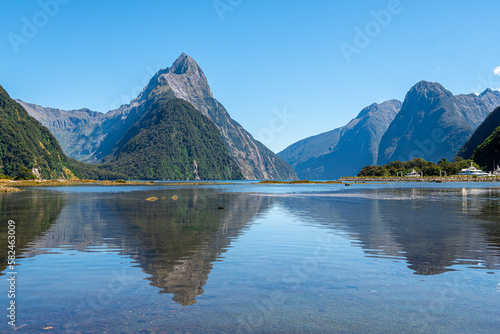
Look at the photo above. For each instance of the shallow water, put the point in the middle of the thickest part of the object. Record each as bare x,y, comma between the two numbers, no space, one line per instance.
277,258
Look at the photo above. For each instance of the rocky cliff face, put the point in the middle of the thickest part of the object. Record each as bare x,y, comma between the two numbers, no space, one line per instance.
184,80
73,129
343,151
482,132
433,123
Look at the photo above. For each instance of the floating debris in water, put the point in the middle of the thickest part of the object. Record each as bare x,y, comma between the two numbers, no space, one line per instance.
175,197
152,199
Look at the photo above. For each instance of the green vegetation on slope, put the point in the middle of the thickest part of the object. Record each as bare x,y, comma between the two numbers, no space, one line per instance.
173,141
26,144
488,153
428,168
480,135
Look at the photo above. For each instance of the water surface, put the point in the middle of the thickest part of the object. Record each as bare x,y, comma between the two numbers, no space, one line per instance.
256,258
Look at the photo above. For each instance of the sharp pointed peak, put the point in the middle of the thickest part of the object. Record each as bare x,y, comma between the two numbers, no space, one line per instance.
184,64
487,91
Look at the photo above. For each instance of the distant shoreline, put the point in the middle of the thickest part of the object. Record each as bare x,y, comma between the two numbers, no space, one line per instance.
10,185
70,183
436,179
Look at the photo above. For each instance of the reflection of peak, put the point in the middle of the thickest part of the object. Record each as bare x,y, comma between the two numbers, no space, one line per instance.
174,242
187,278
177,248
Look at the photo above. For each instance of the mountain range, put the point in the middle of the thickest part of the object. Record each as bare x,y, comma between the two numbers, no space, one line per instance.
176,129
27,145
434,124
345,150
99,138
431,123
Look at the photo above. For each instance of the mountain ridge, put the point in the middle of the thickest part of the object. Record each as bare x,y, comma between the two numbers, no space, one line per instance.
345,150
173,141
433,123
28,147
184,80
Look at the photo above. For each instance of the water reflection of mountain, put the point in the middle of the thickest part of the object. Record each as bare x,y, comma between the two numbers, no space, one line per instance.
180,239
431,229
34,213
489,212
174,241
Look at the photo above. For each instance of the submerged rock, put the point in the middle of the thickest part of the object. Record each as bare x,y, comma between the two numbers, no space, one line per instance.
9,189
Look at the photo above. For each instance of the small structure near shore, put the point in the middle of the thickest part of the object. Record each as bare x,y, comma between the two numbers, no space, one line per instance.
472,171
413,173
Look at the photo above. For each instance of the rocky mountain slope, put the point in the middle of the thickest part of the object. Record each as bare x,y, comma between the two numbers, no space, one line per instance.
73,129
173,141
185,80
345,150
480,135
433,123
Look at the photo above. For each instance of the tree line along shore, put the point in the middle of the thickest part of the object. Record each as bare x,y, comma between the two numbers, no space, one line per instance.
437,179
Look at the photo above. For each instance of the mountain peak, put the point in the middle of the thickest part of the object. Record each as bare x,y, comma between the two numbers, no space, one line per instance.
426,85
425,89
391,106
184,64
487,91
183,78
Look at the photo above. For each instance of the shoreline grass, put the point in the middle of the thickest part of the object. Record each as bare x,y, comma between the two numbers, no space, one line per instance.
12,184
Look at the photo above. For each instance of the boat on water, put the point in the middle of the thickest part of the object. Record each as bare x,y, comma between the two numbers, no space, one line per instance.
413,173
472,171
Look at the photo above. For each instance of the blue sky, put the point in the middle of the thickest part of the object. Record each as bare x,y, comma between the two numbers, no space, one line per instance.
320,62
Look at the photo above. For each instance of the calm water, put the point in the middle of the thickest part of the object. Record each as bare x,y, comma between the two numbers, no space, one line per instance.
325,258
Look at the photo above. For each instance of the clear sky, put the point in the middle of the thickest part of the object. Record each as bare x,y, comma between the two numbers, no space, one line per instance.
319,61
